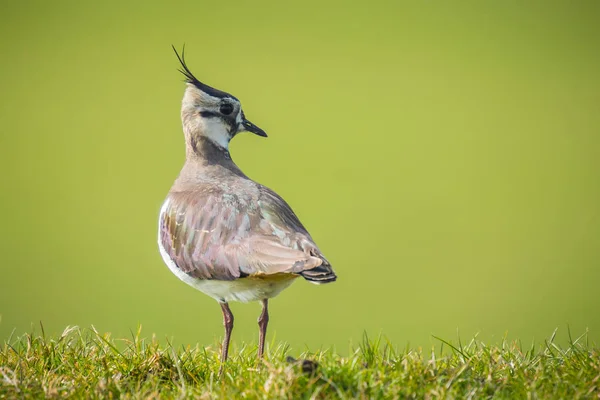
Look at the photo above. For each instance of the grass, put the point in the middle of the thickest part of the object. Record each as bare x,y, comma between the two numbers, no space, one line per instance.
83,363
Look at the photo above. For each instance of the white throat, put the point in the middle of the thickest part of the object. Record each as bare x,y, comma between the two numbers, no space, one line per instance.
215,130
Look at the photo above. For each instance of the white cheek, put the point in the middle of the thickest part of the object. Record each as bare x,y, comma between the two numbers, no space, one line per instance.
215,130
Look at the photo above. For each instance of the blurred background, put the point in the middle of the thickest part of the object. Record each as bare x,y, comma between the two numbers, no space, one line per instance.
445,157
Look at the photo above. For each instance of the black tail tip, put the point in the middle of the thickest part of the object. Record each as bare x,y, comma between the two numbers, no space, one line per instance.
320,274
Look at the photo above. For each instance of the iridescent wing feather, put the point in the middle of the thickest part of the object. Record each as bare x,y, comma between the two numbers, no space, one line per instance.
212,235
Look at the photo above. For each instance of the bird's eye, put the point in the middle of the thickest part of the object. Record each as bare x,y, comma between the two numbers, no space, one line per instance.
226,108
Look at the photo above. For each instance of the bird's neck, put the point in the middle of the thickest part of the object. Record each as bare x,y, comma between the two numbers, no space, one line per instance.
205,148
203,154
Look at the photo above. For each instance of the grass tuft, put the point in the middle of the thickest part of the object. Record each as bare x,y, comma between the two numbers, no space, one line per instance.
88,364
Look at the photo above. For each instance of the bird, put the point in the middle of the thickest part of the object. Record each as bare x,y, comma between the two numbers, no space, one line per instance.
221,232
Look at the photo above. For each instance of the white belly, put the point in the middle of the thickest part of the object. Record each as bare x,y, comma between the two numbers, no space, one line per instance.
242,289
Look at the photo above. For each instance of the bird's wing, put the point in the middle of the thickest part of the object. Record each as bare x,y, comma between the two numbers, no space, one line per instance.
217,236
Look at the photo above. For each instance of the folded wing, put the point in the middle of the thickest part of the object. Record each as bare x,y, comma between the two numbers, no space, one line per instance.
213,235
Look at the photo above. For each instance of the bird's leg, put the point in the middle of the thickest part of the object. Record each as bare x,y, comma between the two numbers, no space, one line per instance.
228,323
263,321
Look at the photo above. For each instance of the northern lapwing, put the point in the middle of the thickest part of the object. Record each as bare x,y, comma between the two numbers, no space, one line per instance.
221,232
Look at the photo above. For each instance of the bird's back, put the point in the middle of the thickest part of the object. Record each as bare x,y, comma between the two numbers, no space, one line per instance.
218,224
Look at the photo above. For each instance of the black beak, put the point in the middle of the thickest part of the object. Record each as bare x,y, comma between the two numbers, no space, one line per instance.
250,127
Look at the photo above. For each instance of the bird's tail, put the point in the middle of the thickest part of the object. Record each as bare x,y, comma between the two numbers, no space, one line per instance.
321,274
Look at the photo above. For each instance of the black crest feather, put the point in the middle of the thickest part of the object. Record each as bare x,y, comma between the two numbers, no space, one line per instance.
190,78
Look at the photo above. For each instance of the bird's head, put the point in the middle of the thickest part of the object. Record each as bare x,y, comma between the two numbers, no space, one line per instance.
209,113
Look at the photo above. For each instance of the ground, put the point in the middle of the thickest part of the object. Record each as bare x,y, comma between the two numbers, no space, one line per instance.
83,363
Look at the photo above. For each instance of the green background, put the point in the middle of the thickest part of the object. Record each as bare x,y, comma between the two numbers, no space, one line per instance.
444,156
